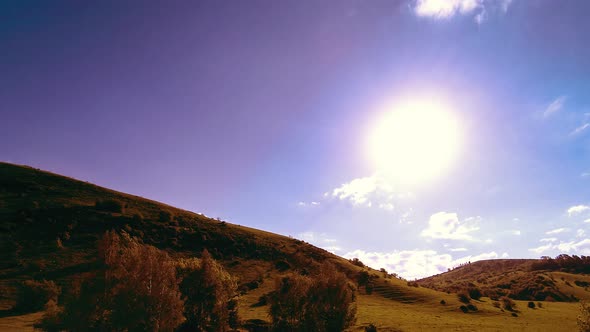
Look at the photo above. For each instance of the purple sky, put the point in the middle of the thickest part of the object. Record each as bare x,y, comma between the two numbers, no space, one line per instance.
257,112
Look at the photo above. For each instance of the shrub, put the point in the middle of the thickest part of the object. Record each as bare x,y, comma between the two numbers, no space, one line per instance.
463,297
474,293
282,266
443,302
539,305
363,278
109,205
371,328
464,309
324,303
50,321
165,216
514,314
507,303
471,307
531,304
584,317
210,296
32,295
357,262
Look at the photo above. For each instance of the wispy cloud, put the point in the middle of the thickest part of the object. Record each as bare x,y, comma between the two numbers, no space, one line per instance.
581,246
548,239
307,204
557,231
577,209
585,175
444,225
555,106
444,9
580,129
457,249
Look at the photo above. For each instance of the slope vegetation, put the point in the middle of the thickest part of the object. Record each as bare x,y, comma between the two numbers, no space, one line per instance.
522,279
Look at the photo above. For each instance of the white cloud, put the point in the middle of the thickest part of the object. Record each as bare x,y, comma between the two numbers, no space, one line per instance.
549,239
577,209
410,264
582,246
307,204
557,231
444,9
555,106
371,191
515,232
457,249
580,129
444,225
587,220
414,264
541,249
505,255
573,246
580,233
585,175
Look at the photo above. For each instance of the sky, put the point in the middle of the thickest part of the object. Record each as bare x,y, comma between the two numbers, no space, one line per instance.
415,135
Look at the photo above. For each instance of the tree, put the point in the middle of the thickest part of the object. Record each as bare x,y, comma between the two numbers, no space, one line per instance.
323,303
137,290
210,295
288,303
331,299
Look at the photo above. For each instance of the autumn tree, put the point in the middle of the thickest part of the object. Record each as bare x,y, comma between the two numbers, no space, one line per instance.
210,295
323,302
136,290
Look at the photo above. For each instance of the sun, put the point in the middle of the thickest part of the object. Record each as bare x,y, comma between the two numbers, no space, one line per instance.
414,142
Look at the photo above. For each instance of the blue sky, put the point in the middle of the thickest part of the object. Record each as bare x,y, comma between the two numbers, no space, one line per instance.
259,113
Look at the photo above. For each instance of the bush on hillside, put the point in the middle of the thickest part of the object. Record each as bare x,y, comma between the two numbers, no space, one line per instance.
323,304
507,303
32,295
109,205
463,297
210,296
474,293
371,328
584,317
357,262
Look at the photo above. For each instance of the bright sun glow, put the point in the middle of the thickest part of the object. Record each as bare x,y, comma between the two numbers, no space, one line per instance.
415,142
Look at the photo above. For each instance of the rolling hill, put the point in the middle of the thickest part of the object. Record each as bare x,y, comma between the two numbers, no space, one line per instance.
49,225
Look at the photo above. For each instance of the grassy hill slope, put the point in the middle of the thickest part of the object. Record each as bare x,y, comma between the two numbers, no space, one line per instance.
49,225
516,278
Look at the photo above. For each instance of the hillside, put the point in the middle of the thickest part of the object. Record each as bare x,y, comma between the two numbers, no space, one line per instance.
49,225
522,279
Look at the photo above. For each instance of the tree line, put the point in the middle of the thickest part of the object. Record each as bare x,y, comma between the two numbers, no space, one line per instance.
142,288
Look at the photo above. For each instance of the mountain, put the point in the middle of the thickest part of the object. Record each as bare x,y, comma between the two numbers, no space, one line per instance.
49,225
